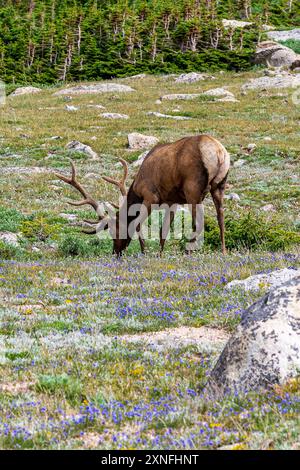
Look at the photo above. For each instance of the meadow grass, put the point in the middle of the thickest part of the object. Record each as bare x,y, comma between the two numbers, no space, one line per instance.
70,378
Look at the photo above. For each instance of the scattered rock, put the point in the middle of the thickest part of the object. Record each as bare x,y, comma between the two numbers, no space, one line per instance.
181,96
140,159
268,139
251,147
275,55
69,217
96,106
280,81
239,163
26,90
234,24
272,279
10,238
140,141
71,108
191,77
233,197
114,116
95,88
265,349
218,92
79,147
158,102
222,94
168,116
268,208
206,338
139,76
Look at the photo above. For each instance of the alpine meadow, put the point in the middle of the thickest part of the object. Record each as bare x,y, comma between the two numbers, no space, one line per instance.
176,325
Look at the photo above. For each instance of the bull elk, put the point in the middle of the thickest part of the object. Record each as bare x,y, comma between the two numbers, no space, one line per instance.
183,172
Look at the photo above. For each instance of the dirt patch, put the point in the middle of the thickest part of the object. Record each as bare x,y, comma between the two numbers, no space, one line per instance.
16,388
182,336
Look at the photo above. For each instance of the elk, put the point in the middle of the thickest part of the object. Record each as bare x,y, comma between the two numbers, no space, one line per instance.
183,172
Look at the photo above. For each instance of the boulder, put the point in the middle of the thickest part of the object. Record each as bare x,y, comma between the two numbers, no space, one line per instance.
275,55
265,349
77,146
279,81
95,88
140,141
26,90
285,35
272,279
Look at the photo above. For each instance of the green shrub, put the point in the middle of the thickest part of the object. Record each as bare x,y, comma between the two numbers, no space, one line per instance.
61,384
37,229
251,231
74,245
8,251
10,220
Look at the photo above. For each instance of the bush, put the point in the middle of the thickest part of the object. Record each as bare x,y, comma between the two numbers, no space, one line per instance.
250,231
78,246
10,220
8,251
37,229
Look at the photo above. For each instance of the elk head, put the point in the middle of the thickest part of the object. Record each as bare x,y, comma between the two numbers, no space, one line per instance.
107,218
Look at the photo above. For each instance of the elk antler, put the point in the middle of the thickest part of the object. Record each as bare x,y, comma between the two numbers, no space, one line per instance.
88,200
122,183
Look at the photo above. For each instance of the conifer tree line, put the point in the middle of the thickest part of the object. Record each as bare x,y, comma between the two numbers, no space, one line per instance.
46,41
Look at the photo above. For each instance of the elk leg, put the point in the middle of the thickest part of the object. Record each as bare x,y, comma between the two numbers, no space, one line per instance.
218,198
167,222
141,239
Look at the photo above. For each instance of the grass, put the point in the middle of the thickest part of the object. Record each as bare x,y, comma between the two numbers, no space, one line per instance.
69,378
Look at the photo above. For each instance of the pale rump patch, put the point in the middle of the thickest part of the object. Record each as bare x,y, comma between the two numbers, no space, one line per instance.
215,158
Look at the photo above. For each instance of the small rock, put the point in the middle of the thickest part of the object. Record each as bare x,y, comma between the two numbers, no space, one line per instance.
268,139
77,146
114,116
70,217
239,163
96,106
233,197
268,208
71,108
190,77
140,141
168,116
251,147
181,96
158,102
10,238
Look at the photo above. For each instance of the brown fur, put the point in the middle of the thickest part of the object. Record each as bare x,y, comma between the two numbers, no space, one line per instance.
182,172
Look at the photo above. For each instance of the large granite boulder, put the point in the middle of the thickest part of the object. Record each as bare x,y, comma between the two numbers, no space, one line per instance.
275,55
265,349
